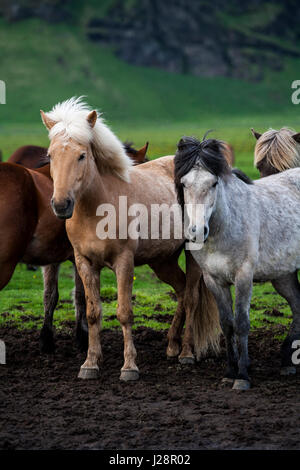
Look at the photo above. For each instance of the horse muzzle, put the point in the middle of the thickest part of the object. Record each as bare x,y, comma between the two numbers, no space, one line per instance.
193,235
63,209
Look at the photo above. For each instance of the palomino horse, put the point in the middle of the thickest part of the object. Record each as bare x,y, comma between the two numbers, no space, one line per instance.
32,234
91,171
276,151
250,232
32,156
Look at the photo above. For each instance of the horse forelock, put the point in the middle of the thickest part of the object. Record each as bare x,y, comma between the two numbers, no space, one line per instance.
71,122
278,149
208,154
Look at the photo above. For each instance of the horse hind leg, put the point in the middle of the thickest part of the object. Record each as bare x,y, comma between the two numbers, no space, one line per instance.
171,273
288,287
50,274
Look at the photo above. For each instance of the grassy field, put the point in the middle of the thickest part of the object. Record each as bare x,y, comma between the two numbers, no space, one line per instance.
45,63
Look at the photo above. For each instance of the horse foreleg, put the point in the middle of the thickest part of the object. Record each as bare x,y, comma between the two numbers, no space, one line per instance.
243,292
124,271
90,277
80,312
288,287
170,273
50,274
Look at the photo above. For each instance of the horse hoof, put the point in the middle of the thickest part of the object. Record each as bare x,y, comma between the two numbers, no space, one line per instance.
289,370
187,360
89,373
129,375
227,381
241,384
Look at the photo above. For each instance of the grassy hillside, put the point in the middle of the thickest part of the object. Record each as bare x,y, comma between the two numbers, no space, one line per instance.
44,63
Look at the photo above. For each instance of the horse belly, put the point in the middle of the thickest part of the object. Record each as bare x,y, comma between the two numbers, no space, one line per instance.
279,259
149,250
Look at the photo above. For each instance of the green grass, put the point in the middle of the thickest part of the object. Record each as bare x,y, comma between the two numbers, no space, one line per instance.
22,304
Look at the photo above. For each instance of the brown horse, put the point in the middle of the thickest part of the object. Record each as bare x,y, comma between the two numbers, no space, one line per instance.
91,171
30,233
32,156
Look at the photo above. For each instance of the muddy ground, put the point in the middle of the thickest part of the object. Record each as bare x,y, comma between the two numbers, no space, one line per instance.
44,406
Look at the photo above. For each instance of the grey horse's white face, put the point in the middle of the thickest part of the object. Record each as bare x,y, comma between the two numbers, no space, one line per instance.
200,195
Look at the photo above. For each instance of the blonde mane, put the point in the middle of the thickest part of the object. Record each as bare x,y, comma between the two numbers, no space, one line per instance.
70,118
279,148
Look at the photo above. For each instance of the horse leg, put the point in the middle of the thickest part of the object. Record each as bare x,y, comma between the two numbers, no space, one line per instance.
191,302
288,287
202,326
6,272
90,277
50,274
80,312
223,298
243,292
170,273
124,269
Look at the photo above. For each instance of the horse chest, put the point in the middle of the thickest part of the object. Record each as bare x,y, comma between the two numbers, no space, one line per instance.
216,264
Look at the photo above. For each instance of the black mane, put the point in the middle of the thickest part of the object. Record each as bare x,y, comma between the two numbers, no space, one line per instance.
242,176
128,146
207,154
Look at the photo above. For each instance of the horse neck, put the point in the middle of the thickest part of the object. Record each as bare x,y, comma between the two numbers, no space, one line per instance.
220,218
93,190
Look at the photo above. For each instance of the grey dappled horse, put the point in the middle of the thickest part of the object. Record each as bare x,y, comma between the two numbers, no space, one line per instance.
251,232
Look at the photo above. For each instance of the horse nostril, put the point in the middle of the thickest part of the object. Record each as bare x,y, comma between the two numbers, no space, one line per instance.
205,231
194,228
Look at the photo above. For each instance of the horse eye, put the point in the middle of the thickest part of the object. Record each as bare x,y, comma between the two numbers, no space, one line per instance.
183,185
215,184
82,157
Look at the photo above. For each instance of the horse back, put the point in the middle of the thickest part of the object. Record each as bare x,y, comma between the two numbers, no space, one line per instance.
30,156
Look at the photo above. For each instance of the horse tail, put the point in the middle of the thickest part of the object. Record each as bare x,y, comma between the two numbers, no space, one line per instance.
206,323
203,311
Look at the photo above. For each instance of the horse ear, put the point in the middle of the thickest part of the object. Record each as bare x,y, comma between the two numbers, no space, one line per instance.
47,121
255,134
296,137
92,118
142,153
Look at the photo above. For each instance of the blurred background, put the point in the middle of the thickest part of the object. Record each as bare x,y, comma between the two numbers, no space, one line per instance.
156,69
